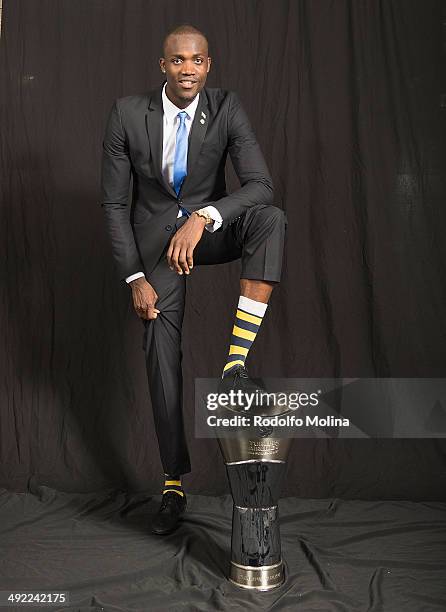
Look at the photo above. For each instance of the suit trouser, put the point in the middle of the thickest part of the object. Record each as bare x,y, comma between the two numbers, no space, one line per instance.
257,237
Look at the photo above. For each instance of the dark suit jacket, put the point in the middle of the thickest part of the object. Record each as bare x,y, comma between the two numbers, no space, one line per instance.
132,148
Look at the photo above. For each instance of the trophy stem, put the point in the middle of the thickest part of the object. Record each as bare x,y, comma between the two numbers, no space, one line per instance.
256,560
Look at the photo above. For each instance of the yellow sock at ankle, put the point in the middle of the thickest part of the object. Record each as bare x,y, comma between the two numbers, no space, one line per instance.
173,483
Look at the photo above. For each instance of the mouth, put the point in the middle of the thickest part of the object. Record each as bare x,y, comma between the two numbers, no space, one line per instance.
187,83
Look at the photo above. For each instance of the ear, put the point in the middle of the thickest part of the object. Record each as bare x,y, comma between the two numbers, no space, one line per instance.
162,64
209,64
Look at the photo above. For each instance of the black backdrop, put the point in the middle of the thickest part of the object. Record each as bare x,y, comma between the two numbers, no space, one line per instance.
345,97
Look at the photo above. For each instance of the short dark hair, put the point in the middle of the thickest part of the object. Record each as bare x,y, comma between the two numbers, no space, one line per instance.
184,28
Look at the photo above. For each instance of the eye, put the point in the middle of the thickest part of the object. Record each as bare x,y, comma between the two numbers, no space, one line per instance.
176,60
199,60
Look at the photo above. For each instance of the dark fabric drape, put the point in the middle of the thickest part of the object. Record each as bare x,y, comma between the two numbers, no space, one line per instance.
346,100
340,555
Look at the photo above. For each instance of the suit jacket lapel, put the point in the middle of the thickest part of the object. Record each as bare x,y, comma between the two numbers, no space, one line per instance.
154,126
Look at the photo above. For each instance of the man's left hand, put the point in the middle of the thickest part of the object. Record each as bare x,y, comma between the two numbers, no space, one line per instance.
180,254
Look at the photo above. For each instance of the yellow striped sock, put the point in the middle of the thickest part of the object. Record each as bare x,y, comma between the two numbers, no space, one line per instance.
248,319
173,483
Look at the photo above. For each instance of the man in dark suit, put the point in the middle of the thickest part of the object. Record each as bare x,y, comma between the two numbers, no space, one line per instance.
173,143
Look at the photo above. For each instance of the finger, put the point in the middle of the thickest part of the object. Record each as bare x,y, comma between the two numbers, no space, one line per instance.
169,254
174,260
190,257
182,260
151,314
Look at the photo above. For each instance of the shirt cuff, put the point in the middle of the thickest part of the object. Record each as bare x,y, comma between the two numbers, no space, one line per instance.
216,216
134,276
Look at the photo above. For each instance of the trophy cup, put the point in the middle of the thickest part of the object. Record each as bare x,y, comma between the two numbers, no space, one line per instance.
255,463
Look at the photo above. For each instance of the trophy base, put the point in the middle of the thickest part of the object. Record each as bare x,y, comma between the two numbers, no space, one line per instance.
262,578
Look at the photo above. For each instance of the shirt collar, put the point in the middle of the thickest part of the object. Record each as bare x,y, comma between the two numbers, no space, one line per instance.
171,111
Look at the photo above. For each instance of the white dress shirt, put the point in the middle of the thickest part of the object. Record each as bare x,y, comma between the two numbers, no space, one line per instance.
170,126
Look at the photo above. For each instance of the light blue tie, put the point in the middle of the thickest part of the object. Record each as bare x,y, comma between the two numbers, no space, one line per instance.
180,161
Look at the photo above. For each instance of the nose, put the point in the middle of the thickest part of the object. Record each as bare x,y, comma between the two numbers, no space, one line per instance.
188,68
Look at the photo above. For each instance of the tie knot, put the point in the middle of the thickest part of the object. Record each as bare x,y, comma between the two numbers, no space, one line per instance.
182,116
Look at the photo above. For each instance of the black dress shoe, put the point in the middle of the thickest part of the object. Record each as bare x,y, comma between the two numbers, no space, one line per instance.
238,379
168,516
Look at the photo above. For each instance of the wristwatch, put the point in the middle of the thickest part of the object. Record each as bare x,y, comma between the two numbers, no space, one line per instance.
204,213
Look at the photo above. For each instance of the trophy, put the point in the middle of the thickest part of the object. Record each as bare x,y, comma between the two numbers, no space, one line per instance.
255,463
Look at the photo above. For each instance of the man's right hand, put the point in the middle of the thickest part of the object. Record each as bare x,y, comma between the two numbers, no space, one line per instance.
144,298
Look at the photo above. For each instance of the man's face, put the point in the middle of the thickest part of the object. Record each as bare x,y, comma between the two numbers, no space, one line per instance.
186,64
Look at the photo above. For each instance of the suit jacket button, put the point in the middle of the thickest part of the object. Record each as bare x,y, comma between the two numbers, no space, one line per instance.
168,228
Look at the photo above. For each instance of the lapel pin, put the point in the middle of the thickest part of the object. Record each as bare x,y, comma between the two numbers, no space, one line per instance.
203,115
201,120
